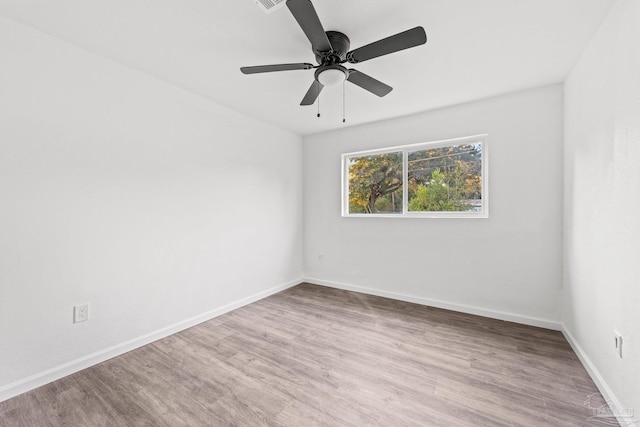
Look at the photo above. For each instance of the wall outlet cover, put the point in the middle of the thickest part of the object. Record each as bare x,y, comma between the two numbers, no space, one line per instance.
618,343
81,313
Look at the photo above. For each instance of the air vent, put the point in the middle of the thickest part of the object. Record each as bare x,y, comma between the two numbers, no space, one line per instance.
269,6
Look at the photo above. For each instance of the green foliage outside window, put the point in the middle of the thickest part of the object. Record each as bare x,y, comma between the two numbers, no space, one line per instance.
443,179
441,193
375,183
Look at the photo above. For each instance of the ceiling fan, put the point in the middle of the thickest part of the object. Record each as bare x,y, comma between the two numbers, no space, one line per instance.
331,49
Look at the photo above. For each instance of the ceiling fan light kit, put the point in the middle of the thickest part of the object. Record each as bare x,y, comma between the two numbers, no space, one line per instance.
331,75
331,50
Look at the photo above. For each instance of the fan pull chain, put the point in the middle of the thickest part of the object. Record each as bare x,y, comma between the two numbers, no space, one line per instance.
344,102
318,86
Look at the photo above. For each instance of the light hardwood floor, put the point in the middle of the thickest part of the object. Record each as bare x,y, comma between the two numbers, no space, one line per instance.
313,355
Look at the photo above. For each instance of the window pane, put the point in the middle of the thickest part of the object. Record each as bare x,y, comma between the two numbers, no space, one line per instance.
445,179
375,184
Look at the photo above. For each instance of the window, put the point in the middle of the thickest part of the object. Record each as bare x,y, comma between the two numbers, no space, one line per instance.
435,179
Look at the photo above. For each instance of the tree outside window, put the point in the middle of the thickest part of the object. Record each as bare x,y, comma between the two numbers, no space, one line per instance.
438,178
375,183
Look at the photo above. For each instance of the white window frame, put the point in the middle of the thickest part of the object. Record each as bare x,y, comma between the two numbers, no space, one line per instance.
406,149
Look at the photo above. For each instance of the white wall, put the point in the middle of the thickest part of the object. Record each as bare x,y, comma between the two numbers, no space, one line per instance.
508,263
151,204
602,202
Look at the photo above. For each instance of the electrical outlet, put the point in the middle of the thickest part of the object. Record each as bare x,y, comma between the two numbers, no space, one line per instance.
81,313
618,343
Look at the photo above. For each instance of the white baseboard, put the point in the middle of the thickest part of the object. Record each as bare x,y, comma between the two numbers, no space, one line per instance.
494,314
45,377
597,378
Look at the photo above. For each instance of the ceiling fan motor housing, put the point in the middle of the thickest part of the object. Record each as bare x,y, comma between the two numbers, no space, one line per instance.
340,44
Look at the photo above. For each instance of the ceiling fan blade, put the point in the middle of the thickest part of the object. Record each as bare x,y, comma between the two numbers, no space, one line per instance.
312,93
275,67
368,83
307,18
405,40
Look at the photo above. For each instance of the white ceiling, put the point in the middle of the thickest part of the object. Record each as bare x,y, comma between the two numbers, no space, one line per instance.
475,49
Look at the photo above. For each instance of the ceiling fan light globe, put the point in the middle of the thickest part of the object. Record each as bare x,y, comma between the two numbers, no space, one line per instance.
332,77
